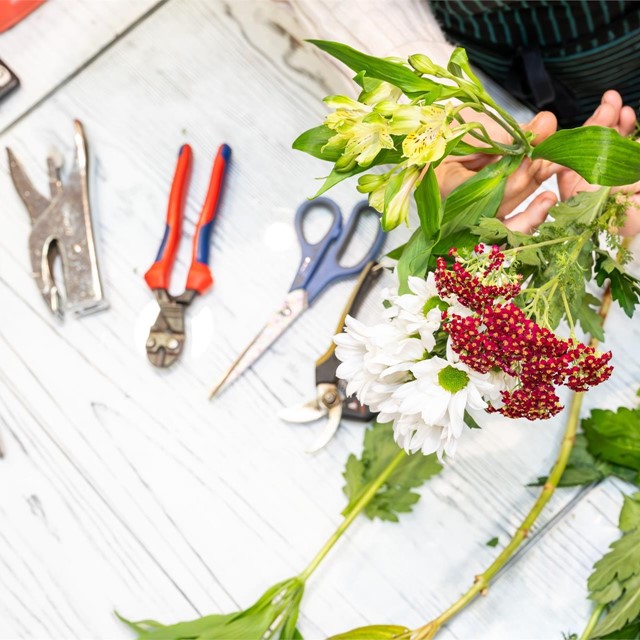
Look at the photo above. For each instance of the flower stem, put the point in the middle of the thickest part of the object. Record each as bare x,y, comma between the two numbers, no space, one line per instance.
360,504
481,582
593,621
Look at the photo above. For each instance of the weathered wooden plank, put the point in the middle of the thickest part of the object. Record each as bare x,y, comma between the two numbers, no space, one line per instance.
160,504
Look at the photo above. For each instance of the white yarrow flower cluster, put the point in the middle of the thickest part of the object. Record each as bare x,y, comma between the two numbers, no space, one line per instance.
391,367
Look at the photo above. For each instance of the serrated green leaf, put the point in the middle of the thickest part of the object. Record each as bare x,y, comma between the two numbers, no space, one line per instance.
584,468
589,318
625,288
373,632
599,154
396,495
614,436
621,563
625,610
630,632
583,208
396,74
630,513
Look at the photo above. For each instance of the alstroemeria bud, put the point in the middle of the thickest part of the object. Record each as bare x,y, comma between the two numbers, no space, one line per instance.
423,64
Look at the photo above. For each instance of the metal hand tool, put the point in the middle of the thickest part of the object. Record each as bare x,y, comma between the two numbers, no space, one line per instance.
320,266
62,227
166,336
331,400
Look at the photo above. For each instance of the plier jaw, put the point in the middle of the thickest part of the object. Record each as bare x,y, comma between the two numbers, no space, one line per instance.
167,335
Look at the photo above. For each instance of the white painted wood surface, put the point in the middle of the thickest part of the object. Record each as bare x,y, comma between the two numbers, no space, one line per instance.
123,488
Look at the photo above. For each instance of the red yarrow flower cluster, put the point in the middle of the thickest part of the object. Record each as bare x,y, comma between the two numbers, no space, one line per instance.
498,335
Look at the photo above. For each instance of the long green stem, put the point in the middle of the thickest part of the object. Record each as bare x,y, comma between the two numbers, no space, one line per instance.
481,582
361,503
593,621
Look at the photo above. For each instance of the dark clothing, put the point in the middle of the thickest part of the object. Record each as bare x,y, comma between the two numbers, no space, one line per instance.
559,55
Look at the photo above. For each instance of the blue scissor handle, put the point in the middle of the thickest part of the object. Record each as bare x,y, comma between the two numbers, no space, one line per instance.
313,254
330,270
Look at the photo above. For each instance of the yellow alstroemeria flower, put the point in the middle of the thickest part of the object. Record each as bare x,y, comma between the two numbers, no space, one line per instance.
426,129
364,140
347,112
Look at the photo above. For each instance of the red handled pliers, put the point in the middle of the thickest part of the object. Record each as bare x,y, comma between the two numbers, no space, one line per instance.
166,336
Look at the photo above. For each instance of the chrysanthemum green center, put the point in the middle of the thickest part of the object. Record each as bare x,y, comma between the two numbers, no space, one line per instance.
452,379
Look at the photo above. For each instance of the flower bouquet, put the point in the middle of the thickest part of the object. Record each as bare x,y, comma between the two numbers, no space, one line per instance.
486,317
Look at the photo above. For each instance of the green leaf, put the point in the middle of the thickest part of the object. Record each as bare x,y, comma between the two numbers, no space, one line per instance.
459,61
620,563
470,421
396,495
599,154
583,208
630,513
396,74
276,609
630,632
625,288
493,542
386,156
614,436
414,260
373,632
427,197
624,611
478,197
314,141
584,468
589,318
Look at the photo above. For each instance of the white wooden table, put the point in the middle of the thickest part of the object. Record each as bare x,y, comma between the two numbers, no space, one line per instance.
123,488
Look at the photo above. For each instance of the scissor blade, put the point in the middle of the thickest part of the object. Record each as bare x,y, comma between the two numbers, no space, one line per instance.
303,413
294,304
328,430
35,202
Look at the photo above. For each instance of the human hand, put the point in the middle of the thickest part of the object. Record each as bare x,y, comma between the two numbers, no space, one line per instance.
610,113
527,178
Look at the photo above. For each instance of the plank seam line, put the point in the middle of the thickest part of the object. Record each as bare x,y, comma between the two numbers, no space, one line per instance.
87,63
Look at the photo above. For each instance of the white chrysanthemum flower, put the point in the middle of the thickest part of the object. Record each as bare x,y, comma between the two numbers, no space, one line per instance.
431,407
375,360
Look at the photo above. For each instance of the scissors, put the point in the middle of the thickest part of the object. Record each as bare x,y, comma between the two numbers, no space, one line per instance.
167,334
331,400
320,267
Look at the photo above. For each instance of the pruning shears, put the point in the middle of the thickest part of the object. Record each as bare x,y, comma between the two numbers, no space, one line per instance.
331,400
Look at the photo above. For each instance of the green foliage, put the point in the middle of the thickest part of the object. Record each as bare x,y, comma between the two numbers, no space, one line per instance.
493,542
614,436
625,288
599,154
427,197
414,260
393,72
273,616
585,468
396,495
615,581
478,197
373,632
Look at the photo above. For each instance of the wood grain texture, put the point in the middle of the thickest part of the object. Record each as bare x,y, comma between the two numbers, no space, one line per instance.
123,488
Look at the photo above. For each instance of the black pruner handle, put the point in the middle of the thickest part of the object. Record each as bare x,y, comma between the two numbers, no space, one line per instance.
328,363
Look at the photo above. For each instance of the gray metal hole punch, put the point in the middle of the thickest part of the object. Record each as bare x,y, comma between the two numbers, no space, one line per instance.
62,228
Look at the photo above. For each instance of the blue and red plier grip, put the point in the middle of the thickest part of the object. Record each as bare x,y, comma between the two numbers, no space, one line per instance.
199,277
